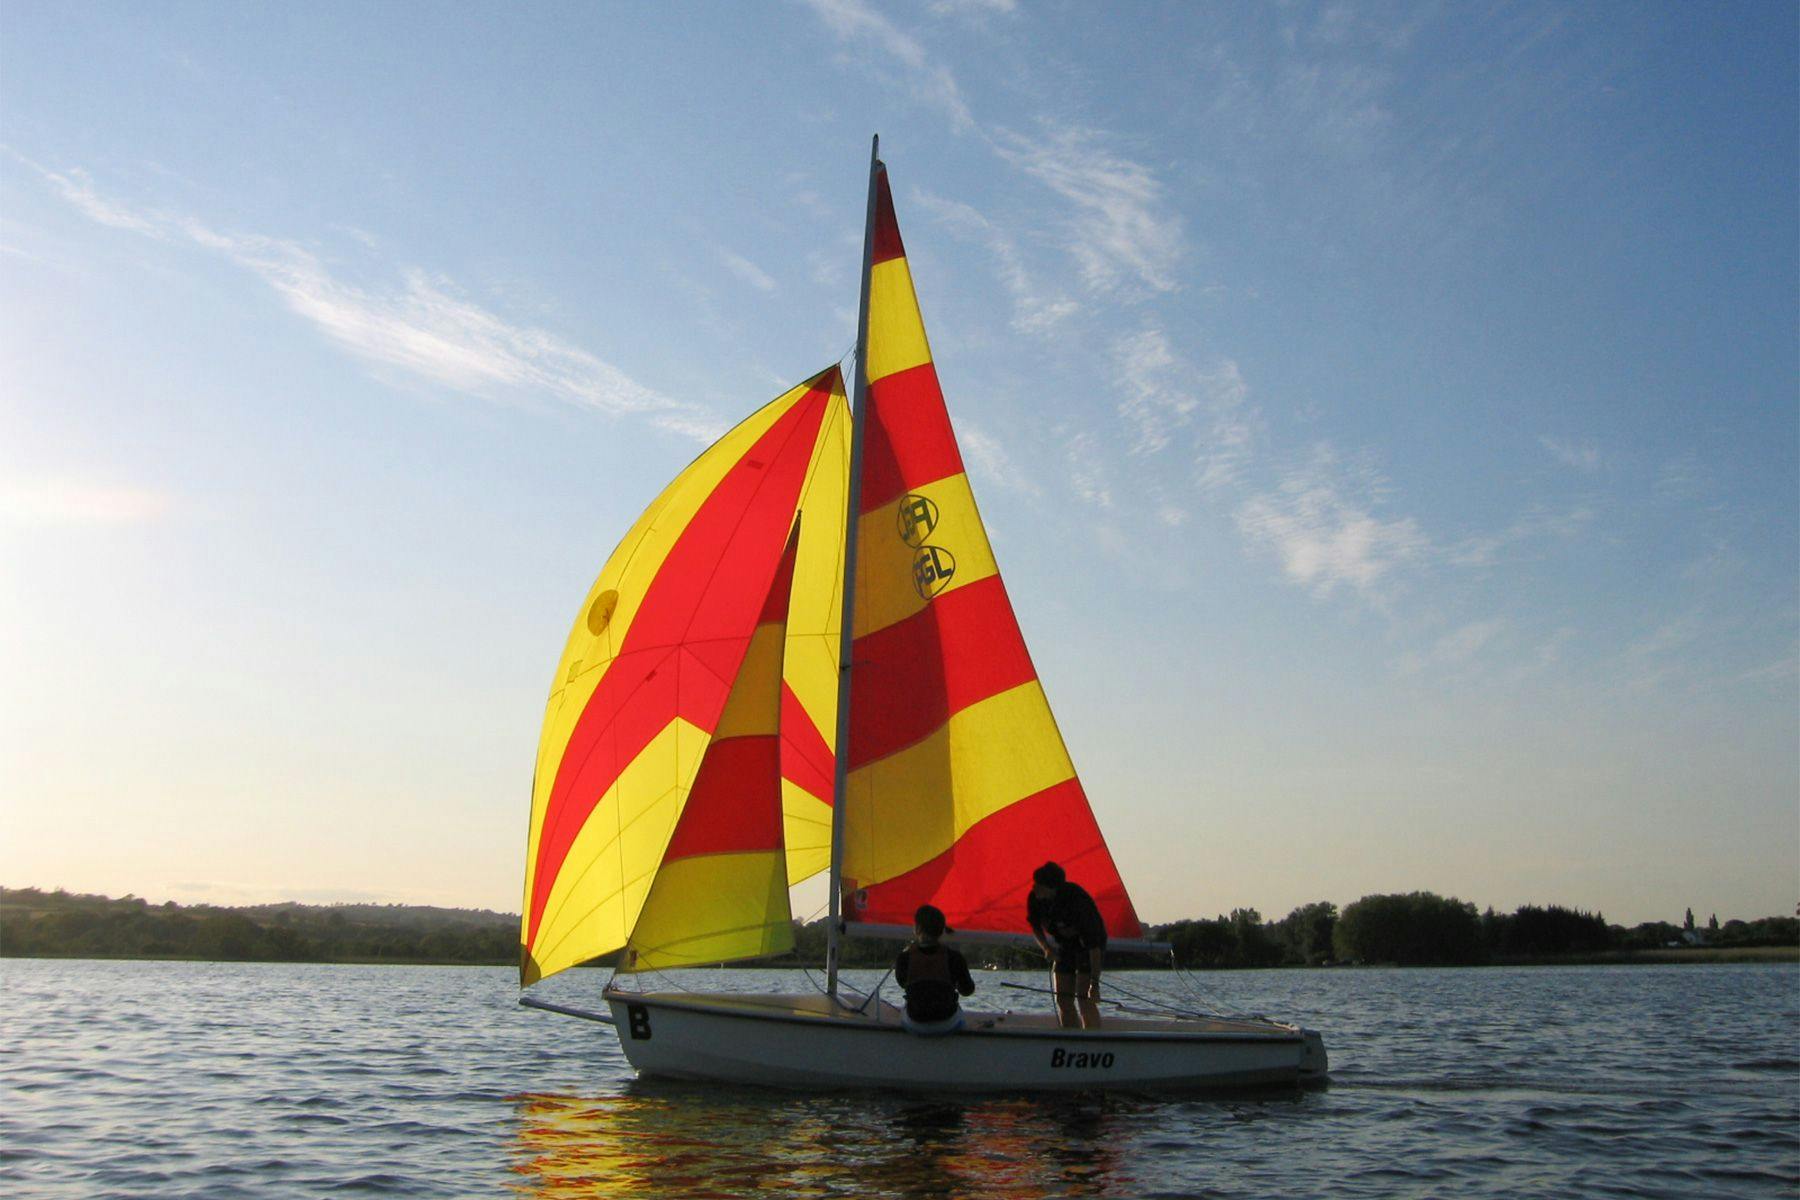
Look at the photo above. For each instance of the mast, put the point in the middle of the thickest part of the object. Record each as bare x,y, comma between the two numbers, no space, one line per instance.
847,634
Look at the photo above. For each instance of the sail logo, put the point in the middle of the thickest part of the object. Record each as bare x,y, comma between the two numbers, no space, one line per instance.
932,566
918,516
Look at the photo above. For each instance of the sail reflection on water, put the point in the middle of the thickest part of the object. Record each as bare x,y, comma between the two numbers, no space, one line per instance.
681,1140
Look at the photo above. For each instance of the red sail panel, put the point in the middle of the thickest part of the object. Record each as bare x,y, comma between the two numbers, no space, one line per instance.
959,782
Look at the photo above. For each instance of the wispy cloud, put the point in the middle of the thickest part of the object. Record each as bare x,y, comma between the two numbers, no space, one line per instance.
1653,659
1460,645
1087,473
829,272
1484,550
1547,655
1122,228
1454,649
1155,404
1783,668
422,326
992,460
931,83
1036,309
1717,564
1235,424
1706,647
36,503
1319,522
1164,394
977,8
1682,478
75,187
1583,456
747,271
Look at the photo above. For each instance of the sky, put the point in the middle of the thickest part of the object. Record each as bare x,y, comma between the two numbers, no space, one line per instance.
1385,417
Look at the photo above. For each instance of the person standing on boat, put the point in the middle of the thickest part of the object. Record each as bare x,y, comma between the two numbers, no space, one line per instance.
933,976
1069,930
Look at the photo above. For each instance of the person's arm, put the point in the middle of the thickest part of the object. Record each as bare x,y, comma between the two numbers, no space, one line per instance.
959,973
1035,917
1093,925
900,968
1093,936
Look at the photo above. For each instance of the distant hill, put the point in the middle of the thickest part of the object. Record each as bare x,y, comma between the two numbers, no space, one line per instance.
58,924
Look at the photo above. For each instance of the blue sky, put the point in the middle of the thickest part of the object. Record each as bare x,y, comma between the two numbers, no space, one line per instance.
1386,416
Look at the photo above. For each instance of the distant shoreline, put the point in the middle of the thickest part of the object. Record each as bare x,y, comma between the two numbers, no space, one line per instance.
1687,954
1416,929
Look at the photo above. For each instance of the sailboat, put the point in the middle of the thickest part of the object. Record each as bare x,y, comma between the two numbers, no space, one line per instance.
802,658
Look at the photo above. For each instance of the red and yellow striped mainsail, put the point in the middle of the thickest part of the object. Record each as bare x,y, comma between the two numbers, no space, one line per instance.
721,892
646,672
959,781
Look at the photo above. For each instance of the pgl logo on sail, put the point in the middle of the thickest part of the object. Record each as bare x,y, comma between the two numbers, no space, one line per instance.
932,568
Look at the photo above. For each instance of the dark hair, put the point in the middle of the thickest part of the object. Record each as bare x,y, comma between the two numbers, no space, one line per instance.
930,920
1050,875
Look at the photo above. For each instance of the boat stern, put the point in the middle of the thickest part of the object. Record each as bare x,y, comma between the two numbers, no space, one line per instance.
1315,1067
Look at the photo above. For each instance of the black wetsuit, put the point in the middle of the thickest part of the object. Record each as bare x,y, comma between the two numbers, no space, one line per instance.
1073,921
932,977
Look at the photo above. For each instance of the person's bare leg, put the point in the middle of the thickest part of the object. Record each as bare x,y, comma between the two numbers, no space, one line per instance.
1063,984
1085,992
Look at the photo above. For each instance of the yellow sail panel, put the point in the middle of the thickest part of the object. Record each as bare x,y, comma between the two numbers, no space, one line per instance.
720,892
754,705
745,914
806,828
645,675
989,755
810,669
896,329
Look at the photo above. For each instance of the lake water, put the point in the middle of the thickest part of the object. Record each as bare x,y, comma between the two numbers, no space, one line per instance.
152,1080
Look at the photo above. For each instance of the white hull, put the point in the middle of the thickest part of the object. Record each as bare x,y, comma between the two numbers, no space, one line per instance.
803,1042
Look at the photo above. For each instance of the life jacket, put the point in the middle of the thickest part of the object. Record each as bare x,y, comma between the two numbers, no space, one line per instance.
922,967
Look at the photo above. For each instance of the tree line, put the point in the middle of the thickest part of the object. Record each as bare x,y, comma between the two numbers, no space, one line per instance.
1425,929
1417,928
58,924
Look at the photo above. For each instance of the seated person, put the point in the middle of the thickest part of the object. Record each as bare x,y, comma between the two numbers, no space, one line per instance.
933,975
